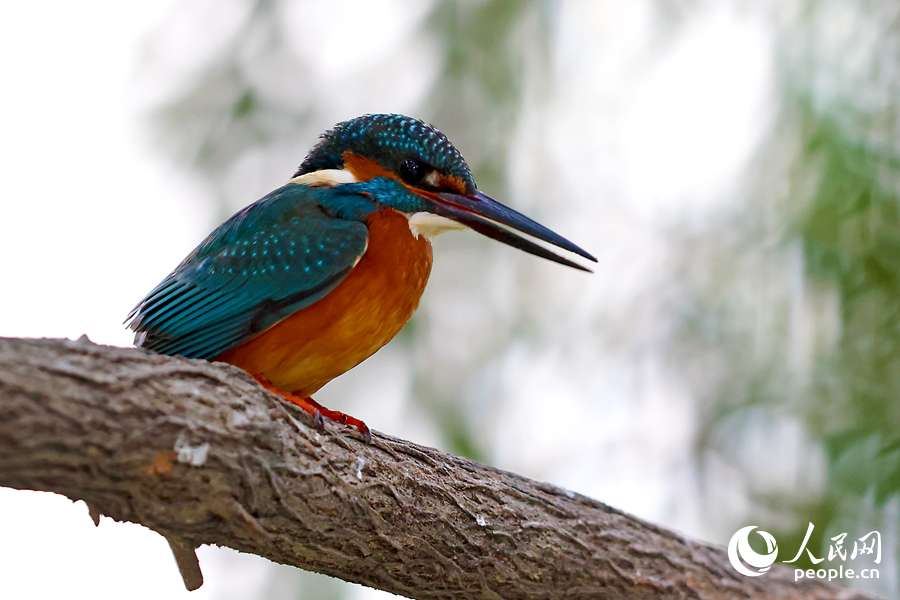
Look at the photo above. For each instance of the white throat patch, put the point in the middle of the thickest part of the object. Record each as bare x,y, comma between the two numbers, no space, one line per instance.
429,225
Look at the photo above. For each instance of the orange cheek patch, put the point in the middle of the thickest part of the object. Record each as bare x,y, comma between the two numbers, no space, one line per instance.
454,183
365,169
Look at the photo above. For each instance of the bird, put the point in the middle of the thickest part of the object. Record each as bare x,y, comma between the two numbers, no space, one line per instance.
315,277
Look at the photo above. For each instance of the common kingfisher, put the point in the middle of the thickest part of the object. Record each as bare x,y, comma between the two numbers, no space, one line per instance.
312,279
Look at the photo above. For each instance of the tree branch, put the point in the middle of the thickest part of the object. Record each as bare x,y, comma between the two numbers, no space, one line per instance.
203,455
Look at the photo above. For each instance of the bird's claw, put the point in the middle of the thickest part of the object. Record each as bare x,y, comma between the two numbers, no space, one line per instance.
320,420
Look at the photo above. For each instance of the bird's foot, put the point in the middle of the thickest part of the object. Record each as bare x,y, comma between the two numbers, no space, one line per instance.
316,410
333,415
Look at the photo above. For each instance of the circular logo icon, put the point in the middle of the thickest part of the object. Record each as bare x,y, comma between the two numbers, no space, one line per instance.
740,552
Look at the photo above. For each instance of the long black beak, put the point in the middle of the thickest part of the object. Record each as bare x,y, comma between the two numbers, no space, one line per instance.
487,216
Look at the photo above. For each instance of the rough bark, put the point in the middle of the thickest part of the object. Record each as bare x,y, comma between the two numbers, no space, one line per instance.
203,455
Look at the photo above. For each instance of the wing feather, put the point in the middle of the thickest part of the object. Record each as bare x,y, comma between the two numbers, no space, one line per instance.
271,259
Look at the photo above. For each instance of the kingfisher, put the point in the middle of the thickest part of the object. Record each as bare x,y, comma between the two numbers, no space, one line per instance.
315,277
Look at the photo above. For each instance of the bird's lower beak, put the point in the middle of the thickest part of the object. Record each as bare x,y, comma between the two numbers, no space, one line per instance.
488,217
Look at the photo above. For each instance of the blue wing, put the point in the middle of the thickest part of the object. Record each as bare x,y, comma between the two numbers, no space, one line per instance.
269,260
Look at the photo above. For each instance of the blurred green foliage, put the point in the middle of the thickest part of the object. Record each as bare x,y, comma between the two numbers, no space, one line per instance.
851,239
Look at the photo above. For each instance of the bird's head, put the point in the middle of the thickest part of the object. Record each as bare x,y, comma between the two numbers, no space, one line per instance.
440,191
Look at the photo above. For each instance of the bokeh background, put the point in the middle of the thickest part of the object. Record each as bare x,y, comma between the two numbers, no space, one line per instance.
735,166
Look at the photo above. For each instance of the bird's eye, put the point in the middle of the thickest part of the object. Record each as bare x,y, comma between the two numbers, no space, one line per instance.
412,171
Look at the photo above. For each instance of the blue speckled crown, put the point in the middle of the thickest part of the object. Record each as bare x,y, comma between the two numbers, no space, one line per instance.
389,140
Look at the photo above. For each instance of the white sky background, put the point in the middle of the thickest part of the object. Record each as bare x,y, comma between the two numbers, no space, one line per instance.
92,218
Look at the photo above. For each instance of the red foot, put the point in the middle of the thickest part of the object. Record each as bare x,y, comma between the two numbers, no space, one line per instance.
315,409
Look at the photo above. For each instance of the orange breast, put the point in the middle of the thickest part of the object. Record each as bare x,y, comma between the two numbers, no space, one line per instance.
364,312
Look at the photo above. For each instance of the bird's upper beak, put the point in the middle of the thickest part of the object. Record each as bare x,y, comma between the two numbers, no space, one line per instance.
488,217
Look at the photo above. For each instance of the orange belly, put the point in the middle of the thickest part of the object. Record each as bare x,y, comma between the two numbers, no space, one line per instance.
364,312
